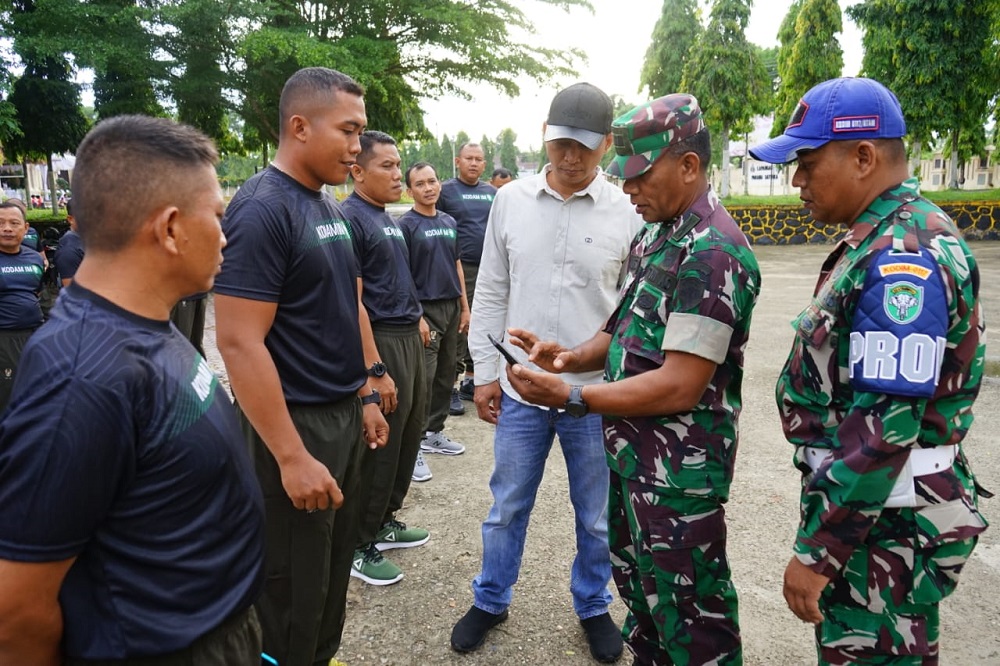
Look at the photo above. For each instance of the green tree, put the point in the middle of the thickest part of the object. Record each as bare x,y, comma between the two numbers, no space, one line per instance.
46,102
815,55
489,152
124,68
724,71
940,58
197,80
677,29
8,114
446,157
784,99
400,51
508,150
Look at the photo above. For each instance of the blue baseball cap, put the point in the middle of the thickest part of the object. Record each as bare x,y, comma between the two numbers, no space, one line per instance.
842,109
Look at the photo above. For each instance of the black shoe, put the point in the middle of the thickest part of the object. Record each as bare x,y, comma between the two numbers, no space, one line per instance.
456,408
467,389
470,632
604,638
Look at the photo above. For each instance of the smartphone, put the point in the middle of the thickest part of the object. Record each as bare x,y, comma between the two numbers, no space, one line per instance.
503,350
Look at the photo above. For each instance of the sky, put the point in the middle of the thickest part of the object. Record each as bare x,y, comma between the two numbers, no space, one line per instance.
615,41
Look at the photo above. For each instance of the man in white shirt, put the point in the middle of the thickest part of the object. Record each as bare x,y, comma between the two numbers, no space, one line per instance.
554,249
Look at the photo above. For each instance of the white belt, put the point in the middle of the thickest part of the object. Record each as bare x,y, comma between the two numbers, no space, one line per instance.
920,462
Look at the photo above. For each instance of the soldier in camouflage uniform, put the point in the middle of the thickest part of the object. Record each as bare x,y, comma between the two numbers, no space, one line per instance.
673,359
877,393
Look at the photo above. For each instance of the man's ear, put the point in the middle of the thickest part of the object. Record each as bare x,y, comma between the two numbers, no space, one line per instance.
690,166
357,173
607,143
298,127
166,228
865,157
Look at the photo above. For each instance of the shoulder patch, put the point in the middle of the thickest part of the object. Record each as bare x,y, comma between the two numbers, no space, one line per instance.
898,334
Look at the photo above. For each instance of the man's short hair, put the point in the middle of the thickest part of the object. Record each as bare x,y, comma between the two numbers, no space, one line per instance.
467,144
369,139
699,143
895,149
501,173
418,165
309,84
17,205
126,168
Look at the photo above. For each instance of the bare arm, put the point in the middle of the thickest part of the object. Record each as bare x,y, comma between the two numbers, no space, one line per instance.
673,388
585,357
31,623
384,384
241,327
466,310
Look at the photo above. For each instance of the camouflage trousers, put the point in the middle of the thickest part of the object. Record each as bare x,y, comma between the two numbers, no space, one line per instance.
883,608
668,557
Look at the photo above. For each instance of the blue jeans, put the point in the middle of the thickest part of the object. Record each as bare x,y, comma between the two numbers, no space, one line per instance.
523,439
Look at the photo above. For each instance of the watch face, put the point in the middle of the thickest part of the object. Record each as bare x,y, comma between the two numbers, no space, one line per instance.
377,369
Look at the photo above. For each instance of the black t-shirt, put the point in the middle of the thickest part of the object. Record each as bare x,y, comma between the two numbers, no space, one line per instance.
291,245
30,239
389,294
120,448
69,254
20,281
470,206
433,245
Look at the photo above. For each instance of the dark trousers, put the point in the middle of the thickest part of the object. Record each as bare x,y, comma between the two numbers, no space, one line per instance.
307,556
235,641
439,358
386,472
189,318
11,345
464,361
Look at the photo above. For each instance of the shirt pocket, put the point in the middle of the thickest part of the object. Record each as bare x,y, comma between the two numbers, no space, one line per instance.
643,337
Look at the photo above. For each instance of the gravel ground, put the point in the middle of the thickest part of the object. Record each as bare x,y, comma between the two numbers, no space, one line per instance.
410,623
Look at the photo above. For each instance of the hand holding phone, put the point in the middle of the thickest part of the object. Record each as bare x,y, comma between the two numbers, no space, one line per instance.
502,349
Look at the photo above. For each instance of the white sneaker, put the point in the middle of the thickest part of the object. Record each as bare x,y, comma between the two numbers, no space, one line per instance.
437,442
421,471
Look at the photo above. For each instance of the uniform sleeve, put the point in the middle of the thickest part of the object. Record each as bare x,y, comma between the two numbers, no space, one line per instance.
257,252
65,453
360,240
714,293
898,339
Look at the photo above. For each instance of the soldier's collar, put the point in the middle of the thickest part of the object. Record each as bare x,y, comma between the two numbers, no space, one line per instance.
882,208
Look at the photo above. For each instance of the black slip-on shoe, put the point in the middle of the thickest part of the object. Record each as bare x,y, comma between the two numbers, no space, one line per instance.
470,632
604,638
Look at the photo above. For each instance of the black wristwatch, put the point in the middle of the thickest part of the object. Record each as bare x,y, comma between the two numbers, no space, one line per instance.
575,406
377,369
372,399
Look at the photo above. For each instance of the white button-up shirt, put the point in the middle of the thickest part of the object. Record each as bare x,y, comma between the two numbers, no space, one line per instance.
550,266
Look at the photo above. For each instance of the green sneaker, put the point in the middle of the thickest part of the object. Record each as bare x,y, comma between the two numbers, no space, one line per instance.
370,566
395,534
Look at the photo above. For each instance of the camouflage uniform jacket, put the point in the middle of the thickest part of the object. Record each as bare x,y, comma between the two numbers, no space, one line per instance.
887,357
691,286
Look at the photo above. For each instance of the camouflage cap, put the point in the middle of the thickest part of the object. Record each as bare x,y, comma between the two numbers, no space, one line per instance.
642,134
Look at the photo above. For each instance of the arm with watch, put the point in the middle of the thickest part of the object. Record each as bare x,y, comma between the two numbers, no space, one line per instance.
675,387
378,375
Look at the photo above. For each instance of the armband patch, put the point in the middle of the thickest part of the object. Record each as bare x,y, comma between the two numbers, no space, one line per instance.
898,335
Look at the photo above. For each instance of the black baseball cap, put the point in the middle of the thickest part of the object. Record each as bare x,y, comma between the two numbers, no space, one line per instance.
582,112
